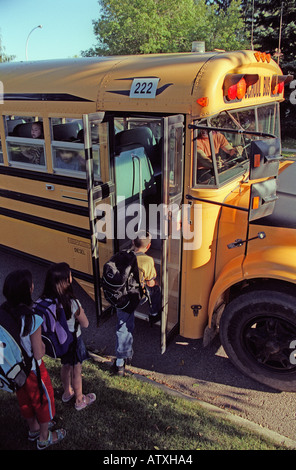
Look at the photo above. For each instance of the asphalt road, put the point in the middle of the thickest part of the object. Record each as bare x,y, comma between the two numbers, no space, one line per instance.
203,373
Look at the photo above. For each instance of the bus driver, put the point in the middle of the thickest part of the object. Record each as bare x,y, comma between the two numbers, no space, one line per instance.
204,154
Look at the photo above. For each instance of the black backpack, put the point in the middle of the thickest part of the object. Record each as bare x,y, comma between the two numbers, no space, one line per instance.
120,281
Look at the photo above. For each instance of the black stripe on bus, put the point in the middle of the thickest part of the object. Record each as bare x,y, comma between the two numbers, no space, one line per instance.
43,177
43,97
50,224
43,262
43,202
68,181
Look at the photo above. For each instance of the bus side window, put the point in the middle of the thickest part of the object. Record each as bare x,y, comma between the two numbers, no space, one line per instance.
1,152
204,170
25,141
67,146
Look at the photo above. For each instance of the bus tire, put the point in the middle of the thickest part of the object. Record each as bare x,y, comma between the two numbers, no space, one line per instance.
257,330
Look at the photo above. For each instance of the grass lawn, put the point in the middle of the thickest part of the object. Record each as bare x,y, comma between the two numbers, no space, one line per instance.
128,415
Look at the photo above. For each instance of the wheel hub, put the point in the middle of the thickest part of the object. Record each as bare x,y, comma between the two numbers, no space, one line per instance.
268,340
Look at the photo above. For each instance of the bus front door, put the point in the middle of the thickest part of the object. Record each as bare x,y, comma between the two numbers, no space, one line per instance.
101,196
172,190
144,178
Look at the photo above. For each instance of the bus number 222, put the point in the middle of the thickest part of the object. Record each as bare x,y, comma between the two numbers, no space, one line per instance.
144,88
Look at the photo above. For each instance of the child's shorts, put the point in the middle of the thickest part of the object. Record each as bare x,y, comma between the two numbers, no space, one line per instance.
76,354
29,397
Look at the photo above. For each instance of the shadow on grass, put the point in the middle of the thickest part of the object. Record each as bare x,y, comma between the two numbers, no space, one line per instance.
127,415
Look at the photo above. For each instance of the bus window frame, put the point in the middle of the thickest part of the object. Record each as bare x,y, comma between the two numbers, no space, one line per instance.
71,145
57,145
218,183
214,168
25,141
1,153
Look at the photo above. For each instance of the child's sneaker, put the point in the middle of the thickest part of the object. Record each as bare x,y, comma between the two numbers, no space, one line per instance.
118,370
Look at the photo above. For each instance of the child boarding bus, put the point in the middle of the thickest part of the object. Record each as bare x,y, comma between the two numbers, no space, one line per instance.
186,146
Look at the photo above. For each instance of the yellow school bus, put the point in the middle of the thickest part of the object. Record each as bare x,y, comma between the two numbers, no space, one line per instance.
186,146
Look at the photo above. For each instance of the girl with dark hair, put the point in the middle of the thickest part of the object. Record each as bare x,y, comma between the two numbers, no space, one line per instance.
37,406
58,288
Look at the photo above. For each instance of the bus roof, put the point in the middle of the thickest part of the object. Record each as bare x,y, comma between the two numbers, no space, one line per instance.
104,83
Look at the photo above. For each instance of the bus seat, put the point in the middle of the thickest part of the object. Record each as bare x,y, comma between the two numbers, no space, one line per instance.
23,130
137,135
127,170
80,135
66,132
12,124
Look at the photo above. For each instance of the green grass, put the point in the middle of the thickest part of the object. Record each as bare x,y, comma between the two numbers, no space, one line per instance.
129,414
289,144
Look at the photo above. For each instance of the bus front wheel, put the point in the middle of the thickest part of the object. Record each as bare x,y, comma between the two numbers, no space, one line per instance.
258,333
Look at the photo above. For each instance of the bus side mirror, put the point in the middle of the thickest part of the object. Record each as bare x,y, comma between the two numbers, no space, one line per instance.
262,199
265,158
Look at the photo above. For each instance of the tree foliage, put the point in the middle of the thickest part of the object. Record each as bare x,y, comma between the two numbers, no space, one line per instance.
274,29
154,26
4,57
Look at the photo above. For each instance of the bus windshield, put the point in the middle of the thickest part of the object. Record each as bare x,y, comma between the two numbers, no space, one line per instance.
229,151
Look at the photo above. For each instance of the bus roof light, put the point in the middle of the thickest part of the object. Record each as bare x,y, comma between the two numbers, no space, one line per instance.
263,56
232,91
257,56
235,85
278,83
241,88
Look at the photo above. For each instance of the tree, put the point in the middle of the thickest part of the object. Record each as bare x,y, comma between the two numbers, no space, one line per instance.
3,56
153,26
270,32
227,21
274,29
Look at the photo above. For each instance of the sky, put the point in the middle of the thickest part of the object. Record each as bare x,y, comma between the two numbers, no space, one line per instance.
67,27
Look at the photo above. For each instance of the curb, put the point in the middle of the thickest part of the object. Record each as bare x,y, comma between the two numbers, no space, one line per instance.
215,410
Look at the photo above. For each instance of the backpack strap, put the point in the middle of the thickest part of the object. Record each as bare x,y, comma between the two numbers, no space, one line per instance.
38,373
13,326
137,275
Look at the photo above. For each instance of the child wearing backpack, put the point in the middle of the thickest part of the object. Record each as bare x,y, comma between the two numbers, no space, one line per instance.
58,288
35,397
126,321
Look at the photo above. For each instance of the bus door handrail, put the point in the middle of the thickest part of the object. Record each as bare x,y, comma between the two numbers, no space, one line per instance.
136,157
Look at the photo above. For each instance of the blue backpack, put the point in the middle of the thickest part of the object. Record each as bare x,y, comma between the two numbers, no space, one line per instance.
15,364
55,332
